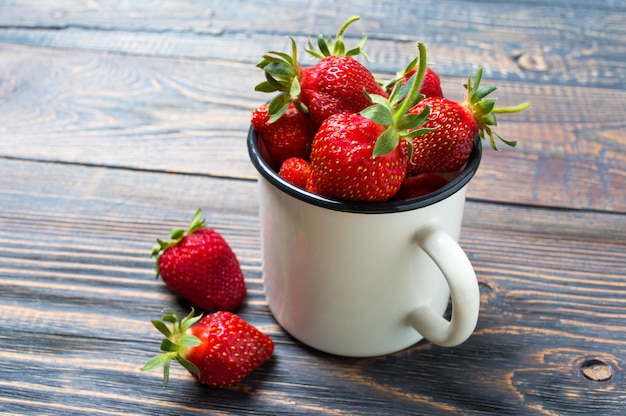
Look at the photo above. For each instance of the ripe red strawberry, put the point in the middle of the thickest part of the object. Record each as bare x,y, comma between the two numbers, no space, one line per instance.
310,186
288,136
296,171
362,157
343,165
454,125
199,266
431,85
420,185
219,349
335,84
447,147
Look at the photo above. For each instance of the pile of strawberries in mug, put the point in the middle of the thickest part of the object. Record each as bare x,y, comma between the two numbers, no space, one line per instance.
335,130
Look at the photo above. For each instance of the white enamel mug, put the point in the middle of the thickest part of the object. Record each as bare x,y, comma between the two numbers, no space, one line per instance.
366,279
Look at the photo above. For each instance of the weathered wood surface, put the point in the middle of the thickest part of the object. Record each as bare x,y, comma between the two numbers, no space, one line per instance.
78,292
118,119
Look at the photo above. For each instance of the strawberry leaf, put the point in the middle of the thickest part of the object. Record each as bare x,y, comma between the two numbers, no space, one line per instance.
511,143
405,88
486,105
191,367
482,92
155,362
378,99
322,44
280,69
161,327
379,114
489,119
278,106
168,345
412,121
339,47
416,133
265,86
166,372
386,142
277,84
294,90
189,341
177,233
358,50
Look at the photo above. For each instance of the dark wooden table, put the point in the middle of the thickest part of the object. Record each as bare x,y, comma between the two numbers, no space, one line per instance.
118,119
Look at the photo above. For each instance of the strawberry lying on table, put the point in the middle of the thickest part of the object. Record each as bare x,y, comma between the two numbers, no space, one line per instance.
219,349
199,266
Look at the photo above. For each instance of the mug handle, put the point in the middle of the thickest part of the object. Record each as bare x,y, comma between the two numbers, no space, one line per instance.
461,278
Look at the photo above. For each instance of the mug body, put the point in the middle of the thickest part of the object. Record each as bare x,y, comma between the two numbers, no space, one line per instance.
344,277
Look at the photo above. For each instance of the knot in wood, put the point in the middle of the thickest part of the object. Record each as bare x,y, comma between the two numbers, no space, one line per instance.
596,370
532,60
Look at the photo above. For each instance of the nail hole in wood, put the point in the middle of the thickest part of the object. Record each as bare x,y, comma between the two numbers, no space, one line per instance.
596,370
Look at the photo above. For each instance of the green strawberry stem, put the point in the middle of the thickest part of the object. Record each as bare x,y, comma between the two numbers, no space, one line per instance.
514,109
408,103
175,343
484,109
393,111
176,234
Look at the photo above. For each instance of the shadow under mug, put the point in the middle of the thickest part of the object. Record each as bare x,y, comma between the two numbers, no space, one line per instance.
366,279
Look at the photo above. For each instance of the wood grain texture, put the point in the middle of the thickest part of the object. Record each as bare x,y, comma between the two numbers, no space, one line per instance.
169,115
118,119
574,43
552,289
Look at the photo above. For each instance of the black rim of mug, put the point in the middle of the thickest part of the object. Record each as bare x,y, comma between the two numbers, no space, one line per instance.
364,207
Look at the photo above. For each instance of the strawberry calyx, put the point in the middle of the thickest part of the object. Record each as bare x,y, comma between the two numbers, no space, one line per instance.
282,74
484,109
176,235
393,112
336,47
175,343
283,71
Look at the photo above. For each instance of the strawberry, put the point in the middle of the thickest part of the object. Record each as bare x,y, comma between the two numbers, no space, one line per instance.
288,136
431,85
420,185
454,125
342,162
362,157
296,171
199,266
337,83
219,349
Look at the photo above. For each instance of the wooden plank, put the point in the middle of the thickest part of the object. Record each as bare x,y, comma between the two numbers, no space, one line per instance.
170,115
538,43
76,287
